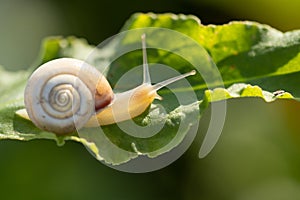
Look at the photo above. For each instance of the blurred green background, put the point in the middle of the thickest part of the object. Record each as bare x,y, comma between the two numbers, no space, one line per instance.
257,157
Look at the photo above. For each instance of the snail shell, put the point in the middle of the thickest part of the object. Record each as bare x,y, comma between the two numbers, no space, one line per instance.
62,95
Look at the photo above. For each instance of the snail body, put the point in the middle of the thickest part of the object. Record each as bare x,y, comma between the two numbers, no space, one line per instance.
66,94
126,105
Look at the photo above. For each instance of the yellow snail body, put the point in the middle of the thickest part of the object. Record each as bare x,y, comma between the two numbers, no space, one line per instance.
66,94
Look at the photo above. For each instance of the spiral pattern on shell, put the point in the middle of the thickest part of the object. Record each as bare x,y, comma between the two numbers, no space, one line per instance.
60,94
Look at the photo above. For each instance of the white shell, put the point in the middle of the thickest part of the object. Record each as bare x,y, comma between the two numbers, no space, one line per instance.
60,95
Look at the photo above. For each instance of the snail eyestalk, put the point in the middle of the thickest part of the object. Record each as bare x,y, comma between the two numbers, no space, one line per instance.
146,77
164,83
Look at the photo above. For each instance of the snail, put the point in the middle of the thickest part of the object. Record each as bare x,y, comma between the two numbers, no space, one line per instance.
66,94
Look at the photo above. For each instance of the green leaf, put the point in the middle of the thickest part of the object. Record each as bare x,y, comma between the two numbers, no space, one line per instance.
246,53
254,53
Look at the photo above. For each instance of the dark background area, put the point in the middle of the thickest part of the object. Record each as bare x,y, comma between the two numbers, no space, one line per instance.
256,158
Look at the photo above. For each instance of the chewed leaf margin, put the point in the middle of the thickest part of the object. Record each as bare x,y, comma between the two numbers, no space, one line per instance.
241,90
